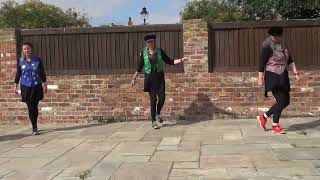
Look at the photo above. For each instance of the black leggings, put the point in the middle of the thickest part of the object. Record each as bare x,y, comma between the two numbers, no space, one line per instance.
33,113
154,108
282,101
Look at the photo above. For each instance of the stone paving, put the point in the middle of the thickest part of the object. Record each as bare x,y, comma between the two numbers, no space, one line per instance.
216,149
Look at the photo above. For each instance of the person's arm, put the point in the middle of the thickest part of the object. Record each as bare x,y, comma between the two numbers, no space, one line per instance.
168,60
265,54
293,68
139,69
42,73
43,76
18,75
17,79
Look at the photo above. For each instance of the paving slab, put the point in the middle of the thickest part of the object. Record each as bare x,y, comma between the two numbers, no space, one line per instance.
228,149
170,156
226,161
143,171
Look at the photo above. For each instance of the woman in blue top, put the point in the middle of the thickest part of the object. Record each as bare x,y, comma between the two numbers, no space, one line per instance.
32,77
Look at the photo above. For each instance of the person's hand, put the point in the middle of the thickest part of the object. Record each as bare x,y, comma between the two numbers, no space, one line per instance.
297,76
133,82
15,89
260,81
184,59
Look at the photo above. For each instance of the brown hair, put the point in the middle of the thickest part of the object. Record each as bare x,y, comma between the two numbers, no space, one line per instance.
27,43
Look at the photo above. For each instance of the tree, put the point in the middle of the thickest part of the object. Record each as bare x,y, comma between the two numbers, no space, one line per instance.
36,14
216,10
236,10
266,9
287,9
299,9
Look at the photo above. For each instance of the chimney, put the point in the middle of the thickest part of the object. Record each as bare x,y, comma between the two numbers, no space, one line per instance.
130,23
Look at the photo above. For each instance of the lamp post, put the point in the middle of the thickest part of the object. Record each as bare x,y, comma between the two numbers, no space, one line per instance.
144,15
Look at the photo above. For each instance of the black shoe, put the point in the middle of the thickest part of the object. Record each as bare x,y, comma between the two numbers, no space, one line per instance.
159,119
35,132
155,125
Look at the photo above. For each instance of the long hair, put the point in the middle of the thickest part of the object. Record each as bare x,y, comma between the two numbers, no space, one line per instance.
23,44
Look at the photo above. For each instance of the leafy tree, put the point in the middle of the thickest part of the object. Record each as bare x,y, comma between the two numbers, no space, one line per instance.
287,9
236,10
217,10
36,14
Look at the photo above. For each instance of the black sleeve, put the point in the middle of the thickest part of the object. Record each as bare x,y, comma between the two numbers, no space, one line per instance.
265,54
166,58
290,60
18,74
42,73
141,63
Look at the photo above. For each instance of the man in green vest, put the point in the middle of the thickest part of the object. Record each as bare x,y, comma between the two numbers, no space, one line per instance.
152,60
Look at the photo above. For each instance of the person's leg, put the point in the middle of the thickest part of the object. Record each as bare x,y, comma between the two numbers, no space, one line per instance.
36,114
283,99
263,117
162,98
274,108
33,114
153,104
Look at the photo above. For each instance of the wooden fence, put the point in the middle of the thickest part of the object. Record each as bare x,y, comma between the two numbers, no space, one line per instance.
100,50
236,46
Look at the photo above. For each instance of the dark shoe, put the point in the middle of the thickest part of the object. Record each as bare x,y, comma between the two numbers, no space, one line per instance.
155,125
35,132
159,119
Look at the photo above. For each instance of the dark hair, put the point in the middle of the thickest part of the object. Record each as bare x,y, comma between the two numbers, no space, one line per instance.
149,36
27,43
275,31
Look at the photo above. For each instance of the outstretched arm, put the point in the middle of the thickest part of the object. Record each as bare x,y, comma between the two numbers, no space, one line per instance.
168,60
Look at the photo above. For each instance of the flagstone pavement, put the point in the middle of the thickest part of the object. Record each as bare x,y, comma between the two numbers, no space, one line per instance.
235,149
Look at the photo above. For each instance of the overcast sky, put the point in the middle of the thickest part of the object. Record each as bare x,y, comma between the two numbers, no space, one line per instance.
118,11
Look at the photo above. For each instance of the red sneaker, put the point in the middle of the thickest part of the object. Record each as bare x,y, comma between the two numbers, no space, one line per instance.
262,120
278,129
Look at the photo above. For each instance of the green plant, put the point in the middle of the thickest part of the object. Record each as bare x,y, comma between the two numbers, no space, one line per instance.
83,175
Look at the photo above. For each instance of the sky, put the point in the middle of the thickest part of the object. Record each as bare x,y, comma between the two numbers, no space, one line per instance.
102,12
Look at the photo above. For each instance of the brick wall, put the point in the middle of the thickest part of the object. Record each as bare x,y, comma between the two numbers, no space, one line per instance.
195,94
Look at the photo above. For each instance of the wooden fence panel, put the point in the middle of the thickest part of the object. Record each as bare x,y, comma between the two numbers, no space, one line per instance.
236,46
100,50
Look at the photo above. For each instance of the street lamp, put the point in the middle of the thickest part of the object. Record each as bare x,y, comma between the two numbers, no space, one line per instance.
144,15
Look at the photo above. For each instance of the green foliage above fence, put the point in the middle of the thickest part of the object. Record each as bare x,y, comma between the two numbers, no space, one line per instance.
36,14
240,10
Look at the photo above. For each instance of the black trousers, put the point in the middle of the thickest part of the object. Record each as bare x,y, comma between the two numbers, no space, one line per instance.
282,97
31,96
33,113
157,99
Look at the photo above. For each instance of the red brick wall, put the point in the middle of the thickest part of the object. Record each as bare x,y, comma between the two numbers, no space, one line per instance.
194,94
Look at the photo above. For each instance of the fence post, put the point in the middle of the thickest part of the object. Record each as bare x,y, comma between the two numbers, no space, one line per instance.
195,41
8,65
8,55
